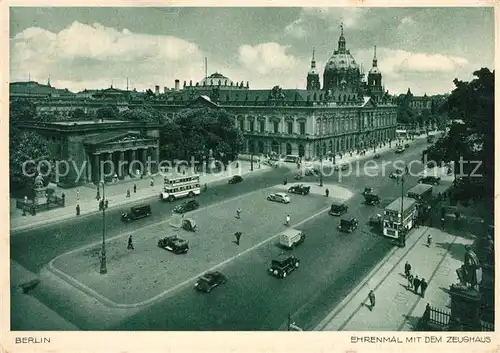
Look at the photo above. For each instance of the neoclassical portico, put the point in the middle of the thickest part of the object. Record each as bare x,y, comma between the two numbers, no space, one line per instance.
120,153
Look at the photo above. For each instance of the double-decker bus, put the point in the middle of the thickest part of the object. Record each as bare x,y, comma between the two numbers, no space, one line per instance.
395,222
181,186
421,192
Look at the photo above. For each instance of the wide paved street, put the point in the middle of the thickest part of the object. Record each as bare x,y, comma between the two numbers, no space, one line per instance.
331,262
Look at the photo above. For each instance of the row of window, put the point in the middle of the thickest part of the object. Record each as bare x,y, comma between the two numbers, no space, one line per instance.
171,190
326,127
177,181
275,127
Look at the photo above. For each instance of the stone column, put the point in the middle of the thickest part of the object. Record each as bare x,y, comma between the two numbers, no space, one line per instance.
144,160
95,168
133,162
121,166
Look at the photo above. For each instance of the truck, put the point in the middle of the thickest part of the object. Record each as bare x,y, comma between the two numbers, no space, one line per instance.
290,238
421,192
399,217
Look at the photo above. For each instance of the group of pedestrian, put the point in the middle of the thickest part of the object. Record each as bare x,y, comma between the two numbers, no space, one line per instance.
414,282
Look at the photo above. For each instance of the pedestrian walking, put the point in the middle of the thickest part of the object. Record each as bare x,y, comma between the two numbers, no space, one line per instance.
327,192
238,213
416,284
106,203
429,240
128,192
101,205
442,222
130,245
135,188
371,297
410,281
423,287
238,236
407,269
77,194
285,181
98,196
77,210
287,220
151,182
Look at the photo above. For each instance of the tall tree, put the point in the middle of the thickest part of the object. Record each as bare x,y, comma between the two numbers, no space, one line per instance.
109,112
197,133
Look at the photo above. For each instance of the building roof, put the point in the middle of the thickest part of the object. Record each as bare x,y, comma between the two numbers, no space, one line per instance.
35,88
107,136
396,204
419,188
88,122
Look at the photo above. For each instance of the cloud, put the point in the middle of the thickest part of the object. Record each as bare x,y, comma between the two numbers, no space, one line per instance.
407,20
296,29
266,58
331,17
81,54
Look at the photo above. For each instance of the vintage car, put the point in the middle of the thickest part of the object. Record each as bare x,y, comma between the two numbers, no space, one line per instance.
209,281
312,172
337,209
344,166
371,199
375,220
189,225
431,180
136,212
348,225
235,179
187,206
376,156
174,244
283,265
400,149
398,173
279,197
367,191
299,189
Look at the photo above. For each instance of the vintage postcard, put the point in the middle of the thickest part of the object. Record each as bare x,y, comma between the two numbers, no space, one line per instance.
249,177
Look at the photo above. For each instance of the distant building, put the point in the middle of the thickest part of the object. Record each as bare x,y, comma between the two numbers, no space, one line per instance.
347,114
87,144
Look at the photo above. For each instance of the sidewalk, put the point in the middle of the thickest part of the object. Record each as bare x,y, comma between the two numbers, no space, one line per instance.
347,158
115,194
397,308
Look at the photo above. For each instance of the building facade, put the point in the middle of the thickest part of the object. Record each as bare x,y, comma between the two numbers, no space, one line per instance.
94,150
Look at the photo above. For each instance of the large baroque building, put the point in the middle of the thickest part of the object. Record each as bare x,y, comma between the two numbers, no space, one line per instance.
345,114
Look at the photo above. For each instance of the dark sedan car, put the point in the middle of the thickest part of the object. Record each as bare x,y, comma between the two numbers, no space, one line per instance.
235,179
187,206
429,180
174,244
299,189
209,281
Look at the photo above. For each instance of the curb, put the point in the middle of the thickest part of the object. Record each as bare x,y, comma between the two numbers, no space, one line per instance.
364,282
164,294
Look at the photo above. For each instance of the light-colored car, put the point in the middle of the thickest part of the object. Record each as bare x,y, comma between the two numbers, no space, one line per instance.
279,197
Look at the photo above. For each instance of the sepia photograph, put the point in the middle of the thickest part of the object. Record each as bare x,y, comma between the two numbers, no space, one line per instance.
257,168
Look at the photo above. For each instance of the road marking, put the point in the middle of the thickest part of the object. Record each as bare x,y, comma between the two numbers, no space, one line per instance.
109,302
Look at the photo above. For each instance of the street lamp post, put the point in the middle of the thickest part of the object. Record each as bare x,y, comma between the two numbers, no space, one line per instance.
402,234
104,269
320,170
251,156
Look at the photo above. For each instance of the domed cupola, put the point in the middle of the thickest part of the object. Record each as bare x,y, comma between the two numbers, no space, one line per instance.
374,70
341,67
313,76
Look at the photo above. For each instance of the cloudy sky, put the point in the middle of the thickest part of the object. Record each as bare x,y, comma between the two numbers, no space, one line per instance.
421,48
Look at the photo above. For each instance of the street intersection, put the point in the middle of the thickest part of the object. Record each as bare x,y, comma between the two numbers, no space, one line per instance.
332,263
